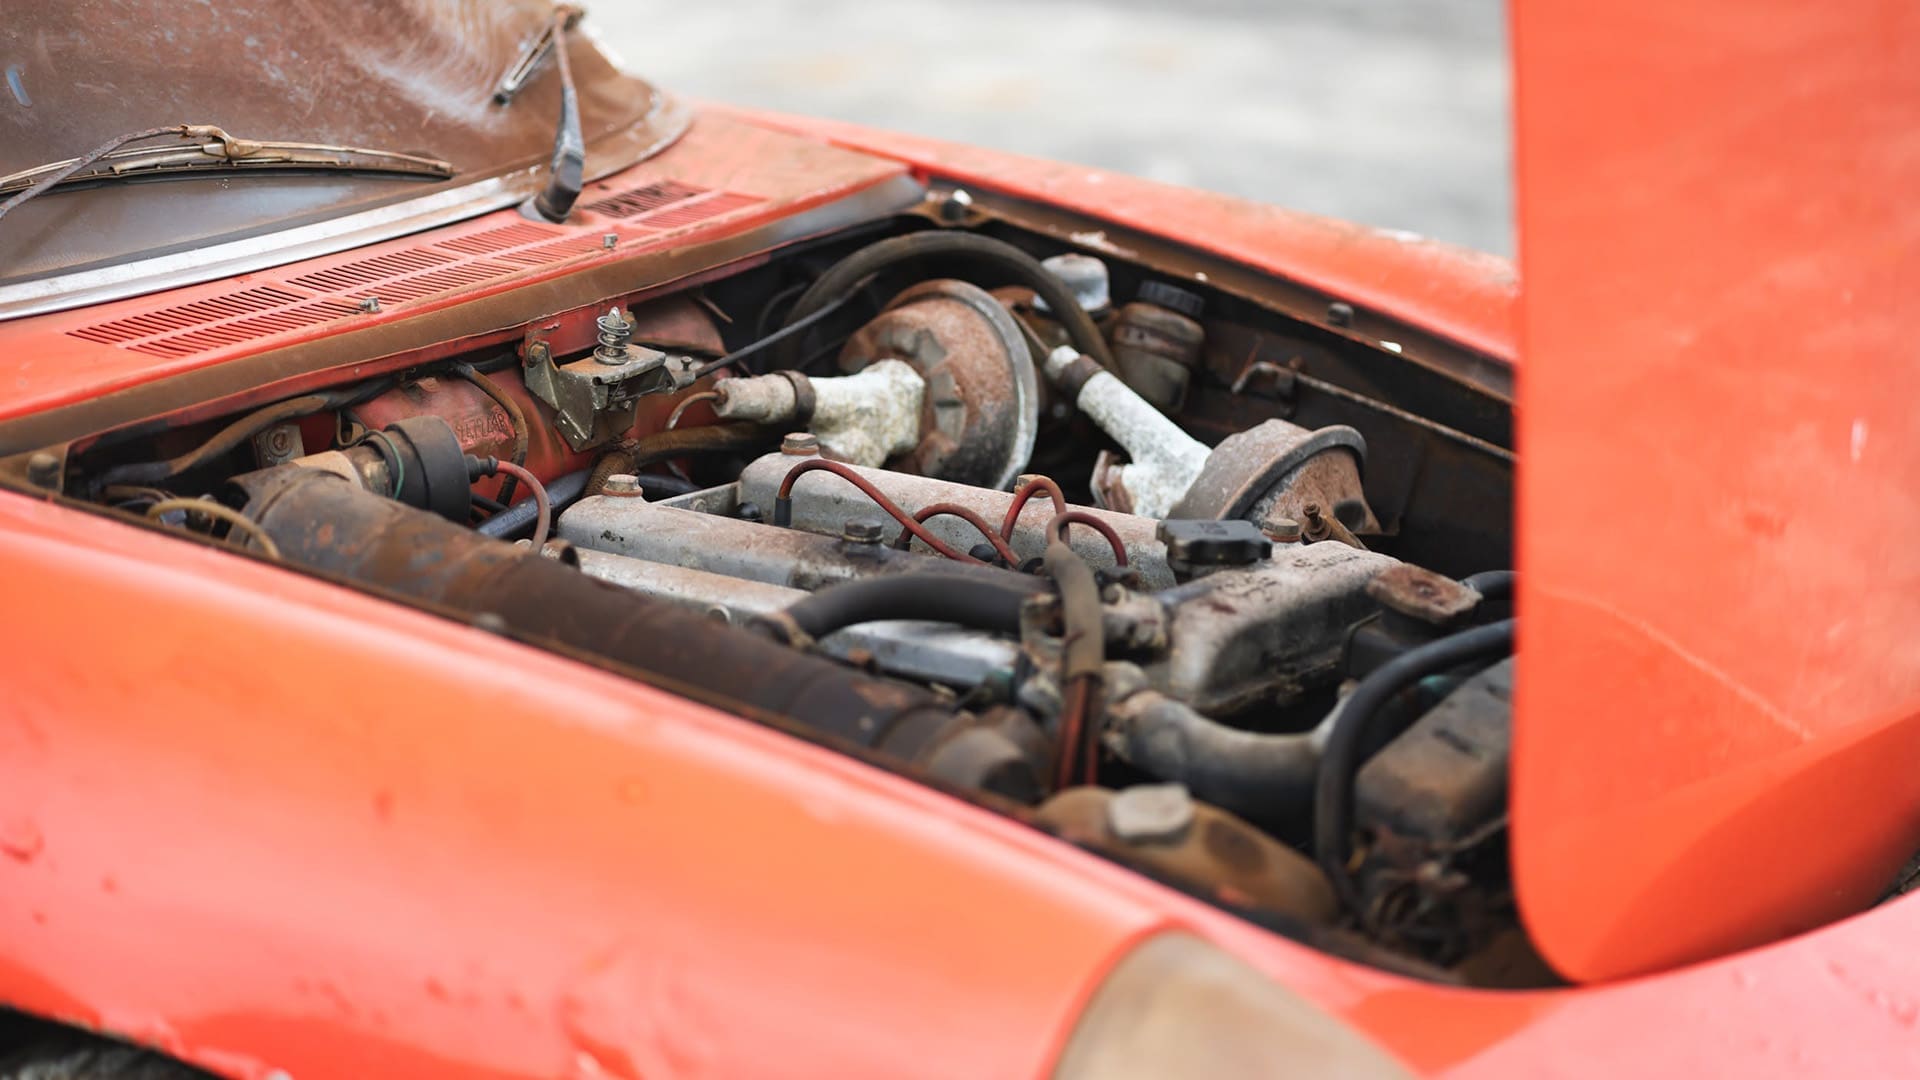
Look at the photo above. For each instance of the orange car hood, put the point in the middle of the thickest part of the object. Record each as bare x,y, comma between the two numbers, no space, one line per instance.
1716,737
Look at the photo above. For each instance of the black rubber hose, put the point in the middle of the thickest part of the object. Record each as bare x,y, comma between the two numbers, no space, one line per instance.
1012,266
155,472
1491,584
662,446
1265,777
515,416
521,515
933,597
1356,727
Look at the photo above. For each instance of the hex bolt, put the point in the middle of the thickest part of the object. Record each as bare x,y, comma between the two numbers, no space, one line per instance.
370,304
800,444
862,531
43,470
1283,530
610,241
623,486
1340,313
1150,813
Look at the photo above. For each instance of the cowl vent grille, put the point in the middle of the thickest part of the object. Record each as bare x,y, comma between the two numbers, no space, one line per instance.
409,275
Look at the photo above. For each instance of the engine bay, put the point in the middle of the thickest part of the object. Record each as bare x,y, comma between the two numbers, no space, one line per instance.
1150,563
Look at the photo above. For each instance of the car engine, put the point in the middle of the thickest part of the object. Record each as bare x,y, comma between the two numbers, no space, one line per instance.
1204,577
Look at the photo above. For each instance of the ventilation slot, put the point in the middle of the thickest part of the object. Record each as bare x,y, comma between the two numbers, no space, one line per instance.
636,201
554,252
690,213
446,279
494,241
356,277
233,333
185,316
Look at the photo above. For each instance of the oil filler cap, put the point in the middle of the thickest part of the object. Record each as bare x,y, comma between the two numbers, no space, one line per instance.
1196,546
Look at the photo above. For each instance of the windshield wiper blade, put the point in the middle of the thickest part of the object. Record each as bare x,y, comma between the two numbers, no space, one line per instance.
209,148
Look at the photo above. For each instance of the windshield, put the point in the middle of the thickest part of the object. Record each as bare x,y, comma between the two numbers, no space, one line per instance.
406,76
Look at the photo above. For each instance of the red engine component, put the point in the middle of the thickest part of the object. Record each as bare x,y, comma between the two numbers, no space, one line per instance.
485,428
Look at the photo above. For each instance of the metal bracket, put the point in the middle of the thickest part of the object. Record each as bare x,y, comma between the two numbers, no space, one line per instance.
595,397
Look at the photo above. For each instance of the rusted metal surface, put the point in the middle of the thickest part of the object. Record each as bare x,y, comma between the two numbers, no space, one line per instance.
1421,594
1441,484
1241,637
824,504
414,76
1215,854
484,428
744,550
1275,470
980,412
323,522
1155,351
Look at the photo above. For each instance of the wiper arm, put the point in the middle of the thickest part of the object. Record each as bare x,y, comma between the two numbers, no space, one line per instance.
537,50
209,148
567,174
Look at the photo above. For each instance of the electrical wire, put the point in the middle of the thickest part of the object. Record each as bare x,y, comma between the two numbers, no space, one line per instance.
673,419
1026,492
234,519
946,509
515,416
1057,528
783,503
799,326
543,508
153,472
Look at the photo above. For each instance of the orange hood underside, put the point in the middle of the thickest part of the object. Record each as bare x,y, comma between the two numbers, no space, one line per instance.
1720,480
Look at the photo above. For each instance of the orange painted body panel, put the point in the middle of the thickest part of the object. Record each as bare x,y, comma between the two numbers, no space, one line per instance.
1719,691
1454,292
374,842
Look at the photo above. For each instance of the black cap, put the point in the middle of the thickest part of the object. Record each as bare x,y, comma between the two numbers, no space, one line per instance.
1171,297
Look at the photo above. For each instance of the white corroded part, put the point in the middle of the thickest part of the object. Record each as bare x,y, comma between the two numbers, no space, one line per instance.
1084,275
759,399
864,418
1164,460
870,416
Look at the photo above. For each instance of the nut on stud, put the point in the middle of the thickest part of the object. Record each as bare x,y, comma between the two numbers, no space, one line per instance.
862,531
623,486
1150,813
43,470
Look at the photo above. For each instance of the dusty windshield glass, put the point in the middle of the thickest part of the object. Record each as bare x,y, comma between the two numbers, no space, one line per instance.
413,77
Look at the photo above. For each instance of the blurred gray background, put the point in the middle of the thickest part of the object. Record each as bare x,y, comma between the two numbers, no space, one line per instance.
1387,112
